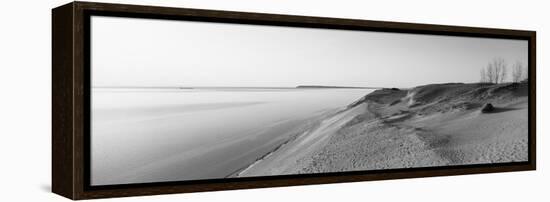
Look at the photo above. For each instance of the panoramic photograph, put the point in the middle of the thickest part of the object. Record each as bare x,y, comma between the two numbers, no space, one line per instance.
183,100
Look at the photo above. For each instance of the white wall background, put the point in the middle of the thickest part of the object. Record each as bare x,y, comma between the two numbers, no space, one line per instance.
25,100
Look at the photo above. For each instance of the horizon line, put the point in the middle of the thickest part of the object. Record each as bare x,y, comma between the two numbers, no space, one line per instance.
264,87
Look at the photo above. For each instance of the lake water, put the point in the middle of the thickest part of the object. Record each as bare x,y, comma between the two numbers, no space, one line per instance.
156,135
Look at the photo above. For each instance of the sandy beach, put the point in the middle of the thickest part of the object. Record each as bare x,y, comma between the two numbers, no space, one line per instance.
431,125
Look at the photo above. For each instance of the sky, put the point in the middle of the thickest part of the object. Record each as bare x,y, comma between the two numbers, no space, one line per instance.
148,52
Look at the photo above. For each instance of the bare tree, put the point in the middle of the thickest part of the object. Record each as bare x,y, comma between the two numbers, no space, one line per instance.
495,72
518,73
503,73
489,74
483,76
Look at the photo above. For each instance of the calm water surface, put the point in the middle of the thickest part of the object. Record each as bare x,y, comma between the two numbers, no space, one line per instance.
155,135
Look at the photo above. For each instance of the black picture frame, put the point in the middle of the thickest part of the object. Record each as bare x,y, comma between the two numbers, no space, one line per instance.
71,99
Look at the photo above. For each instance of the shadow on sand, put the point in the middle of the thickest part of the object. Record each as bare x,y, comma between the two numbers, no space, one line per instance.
501,109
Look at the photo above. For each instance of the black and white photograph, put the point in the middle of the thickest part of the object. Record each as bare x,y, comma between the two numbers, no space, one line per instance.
176,100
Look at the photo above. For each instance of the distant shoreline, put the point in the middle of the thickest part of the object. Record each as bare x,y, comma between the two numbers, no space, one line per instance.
353,87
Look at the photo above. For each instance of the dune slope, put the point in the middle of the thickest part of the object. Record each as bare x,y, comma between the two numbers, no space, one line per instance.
432,125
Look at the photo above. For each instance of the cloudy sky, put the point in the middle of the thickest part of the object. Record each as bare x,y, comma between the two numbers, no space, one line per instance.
144,52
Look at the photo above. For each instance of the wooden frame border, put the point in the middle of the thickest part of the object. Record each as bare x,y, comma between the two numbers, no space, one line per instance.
70,60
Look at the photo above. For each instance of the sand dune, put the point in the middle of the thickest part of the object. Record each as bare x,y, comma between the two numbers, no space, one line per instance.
432,125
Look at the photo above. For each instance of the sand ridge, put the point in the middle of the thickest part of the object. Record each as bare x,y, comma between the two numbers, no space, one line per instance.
432,125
